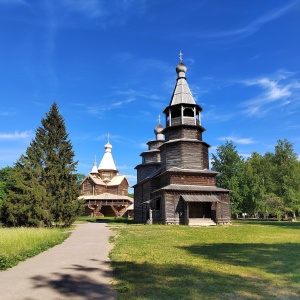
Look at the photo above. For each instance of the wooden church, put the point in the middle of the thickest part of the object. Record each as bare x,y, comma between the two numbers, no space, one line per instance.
105,191
174,183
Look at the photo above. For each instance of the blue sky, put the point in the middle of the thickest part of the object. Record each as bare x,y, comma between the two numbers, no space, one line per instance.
110,66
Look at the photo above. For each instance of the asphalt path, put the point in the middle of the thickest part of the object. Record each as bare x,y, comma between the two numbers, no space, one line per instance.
79,268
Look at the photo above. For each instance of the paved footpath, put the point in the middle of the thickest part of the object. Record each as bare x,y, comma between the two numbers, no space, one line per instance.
78,268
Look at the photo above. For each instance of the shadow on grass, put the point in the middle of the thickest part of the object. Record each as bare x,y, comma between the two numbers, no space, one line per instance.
279,259
197,281
77,282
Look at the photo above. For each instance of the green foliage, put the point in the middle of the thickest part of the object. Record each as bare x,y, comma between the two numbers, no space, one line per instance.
228,162
18,244
45,187
274,205
261,183
4,184
80,177
287,176
251,184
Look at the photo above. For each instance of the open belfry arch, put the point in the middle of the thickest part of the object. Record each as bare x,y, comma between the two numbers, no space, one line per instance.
174,183
105,191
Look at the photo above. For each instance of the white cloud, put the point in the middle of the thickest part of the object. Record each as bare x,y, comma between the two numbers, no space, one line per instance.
16,135
237,140
101,108
131,178
274,92
125,167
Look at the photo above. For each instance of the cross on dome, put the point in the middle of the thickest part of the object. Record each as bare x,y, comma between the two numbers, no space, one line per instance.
180,56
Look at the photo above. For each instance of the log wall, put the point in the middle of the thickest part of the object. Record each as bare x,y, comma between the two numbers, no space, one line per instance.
172,133
151,157
192,179
185,155
154,144
143,171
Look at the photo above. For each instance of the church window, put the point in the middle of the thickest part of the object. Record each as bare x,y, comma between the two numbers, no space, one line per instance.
188,112
176,113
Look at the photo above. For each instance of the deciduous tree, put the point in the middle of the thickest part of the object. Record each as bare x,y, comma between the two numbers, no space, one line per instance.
228,162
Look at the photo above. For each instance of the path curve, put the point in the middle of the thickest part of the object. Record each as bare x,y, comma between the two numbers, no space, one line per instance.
78,269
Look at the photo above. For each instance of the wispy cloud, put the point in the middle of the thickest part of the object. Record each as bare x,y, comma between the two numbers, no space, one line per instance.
237,140
99,109
16,135
125,167
108,136
274,92
250,28
106,12
132,178
127,96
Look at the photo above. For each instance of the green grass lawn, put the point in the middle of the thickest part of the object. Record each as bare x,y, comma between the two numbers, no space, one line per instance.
247,260
17,244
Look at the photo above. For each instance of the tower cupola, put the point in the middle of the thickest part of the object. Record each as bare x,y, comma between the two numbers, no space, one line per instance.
158,130
94,169
182,109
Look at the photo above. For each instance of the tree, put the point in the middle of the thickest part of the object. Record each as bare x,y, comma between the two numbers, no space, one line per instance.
80,177
286,176
250,189
4,185
255,178
228,162
46,187
274,205
26,203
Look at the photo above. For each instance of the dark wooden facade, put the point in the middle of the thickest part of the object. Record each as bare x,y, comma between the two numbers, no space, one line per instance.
174,183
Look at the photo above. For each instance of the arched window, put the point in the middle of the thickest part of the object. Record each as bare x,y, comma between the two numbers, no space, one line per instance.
188,112
176,113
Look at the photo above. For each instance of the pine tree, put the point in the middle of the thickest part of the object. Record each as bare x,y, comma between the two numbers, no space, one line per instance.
46,187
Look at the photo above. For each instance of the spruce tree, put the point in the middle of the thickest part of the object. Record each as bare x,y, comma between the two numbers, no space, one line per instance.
26,203
46,187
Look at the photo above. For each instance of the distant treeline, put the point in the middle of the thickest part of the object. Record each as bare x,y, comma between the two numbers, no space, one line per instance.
262,185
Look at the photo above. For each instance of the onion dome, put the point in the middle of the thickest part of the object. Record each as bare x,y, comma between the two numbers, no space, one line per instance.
181,69
158,130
